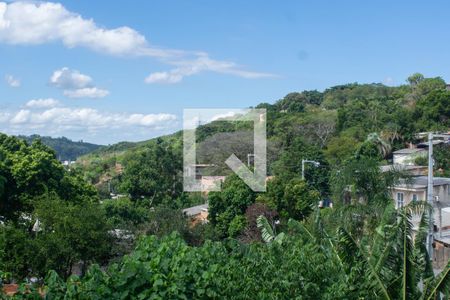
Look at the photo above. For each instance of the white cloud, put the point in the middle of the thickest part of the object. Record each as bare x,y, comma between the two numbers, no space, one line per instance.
389,81
193,118
42,103
75,84
149,120
26,23
66,78
58,119
89,92
4,117
21,117
224,116
201,63
32,23
11,81
164,77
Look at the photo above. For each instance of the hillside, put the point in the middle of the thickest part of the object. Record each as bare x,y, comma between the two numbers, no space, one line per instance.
65,148
333,123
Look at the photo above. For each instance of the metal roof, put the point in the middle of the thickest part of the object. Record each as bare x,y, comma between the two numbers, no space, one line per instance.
195,210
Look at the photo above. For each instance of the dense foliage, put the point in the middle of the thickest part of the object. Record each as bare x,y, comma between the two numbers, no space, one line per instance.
272,245
309,263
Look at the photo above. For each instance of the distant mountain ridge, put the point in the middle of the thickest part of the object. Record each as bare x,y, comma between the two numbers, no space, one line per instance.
65,148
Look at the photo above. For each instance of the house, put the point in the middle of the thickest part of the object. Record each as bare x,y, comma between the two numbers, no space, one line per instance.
408,156
441,253
416,190
442,240
438,138
197,214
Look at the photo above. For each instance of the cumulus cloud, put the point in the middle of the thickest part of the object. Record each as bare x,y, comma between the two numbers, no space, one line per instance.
21,117
224,115
49,114
11,81
42,103
69,79
32,23
89,92
75,84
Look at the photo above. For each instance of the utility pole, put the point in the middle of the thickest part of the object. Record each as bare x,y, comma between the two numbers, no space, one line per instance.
316,163
430,199
439,206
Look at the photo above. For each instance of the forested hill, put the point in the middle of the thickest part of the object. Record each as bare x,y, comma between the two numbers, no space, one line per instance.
328,125
65,148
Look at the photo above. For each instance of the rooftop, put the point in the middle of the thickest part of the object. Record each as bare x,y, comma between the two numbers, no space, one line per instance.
422,182
400,167
409,151
195,210
435,142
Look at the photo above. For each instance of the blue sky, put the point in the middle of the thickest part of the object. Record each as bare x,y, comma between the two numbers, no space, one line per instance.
106,71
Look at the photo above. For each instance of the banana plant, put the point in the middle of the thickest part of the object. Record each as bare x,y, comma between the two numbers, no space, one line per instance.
393,264
267,232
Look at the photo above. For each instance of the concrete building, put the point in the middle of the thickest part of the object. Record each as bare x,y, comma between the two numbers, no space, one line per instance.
407,169
408,156
416,190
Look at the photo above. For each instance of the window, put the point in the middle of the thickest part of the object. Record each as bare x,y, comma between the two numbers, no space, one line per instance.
400,200
414,198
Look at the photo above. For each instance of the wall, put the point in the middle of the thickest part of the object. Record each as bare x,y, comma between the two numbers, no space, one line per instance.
408,159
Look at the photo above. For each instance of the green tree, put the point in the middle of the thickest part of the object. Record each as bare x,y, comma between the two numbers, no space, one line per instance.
291,199
433,111
374,147
441,155
69,233
124,213
154,173
341,148
232,201
289,165
29,171
163,220
292,103
415,79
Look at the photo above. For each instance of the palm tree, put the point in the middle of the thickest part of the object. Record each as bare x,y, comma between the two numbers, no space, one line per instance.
383,146
392,264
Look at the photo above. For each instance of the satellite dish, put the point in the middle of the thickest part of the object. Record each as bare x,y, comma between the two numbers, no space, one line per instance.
446,209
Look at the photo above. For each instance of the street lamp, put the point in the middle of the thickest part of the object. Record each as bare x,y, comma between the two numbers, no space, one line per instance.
315,163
